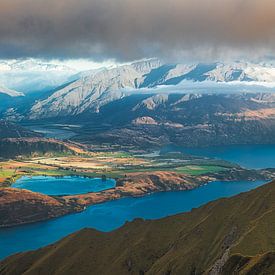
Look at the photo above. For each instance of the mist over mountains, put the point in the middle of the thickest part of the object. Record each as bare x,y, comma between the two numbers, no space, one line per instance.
33,75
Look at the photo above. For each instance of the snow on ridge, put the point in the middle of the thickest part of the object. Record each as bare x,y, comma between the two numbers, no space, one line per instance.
10,92
96,88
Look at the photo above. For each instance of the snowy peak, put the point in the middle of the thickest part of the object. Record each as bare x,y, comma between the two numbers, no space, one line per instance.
97,88
33,75
152,102
32,65
94,90
9,92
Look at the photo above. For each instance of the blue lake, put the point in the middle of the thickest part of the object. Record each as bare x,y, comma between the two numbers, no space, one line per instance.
110,215
69,185
249,156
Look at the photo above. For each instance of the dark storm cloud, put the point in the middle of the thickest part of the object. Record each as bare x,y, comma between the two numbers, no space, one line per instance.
131,29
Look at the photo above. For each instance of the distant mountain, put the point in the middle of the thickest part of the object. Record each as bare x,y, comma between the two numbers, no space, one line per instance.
33,75
17,147
9,92
97,88
228,236
9,97
11,130
16,141
191,120
93,91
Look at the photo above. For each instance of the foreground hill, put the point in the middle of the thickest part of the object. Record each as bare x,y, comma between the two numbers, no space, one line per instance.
23,206
228,236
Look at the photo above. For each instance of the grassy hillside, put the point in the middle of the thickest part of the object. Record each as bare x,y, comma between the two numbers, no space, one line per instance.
14,147
228,236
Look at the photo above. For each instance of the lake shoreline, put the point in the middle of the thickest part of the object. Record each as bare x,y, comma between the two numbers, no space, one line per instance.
133,185
149,207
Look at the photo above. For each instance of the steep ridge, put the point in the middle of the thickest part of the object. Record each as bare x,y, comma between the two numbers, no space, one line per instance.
9,92
225,236
100,87
93,91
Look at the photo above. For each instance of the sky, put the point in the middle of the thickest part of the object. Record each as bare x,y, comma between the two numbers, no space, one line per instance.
117,31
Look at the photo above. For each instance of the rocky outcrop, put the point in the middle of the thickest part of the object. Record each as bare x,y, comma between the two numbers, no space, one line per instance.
145,120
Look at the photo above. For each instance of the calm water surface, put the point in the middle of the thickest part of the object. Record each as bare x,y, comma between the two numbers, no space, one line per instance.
110,215
69,185
249,156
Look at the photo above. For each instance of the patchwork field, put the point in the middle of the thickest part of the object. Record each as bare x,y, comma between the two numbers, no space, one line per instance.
110,164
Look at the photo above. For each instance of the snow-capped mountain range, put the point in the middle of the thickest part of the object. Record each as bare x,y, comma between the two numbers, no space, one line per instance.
94,90
90,90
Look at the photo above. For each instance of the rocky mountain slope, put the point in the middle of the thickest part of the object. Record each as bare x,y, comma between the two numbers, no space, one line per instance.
98,88
183,119
228,236
8,97
93,91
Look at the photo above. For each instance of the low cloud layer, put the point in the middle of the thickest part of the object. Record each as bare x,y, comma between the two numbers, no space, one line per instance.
209,87
133,29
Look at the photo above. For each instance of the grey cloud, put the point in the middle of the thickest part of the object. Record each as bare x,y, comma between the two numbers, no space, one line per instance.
132,29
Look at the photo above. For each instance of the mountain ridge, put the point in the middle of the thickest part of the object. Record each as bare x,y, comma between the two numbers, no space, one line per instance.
114,83
9,92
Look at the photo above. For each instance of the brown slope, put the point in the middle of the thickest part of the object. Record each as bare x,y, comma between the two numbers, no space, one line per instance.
19,206
205,240
257,265
22,206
